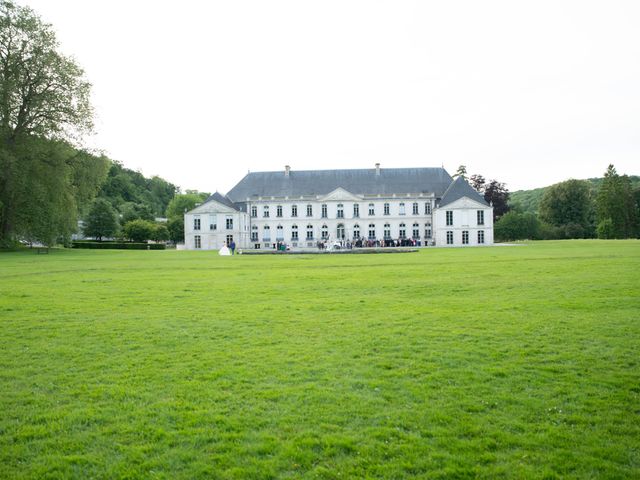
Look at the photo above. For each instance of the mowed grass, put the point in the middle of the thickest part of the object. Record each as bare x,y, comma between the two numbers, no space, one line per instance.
514,362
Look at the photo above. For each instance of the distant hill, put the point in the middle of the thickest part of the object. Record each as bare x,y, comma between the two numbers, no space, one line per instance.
529,200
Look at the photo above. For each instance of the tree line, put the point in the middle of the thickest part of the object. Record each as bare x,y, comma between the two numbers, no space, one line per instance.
604,208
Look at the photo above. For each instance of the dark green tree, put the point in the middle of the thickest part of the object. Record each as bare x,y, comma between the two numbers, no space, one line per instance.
101,221
497,194
517,226
176,229
616,202
183,203
461,172
568,204
160,233
139,230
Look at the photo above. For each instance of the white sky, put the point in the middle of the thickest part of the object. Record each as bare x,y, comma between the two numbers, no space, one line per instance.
199,92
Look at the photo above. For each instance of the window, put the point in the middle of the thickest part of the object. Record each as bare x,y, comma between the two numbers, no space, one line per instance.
416,230
449,217
401,208
229,239
254,211
480,217
403,231
340,231
294,210
324,210
212,226
309,210
427,233
294,232
325,232
197,242
386,233
427,208
229,222
279,211
279,233
449,237
415,208
356,210
254,233
266,234
356,231
372,210
196,223
340,212
309,232
372,231
465,237
386,209
265,211
480,237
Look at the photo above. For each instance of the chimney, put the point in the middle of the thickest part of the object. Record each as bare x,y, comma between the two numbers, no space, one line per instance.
287,169
377,169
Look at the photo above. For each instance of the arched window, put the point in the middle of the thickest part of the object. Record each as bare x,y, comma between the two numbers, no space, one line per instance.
266,233
340,231
294,232
309,232
356,231
325,232
403,231
279,233
416,230
254,233
372,231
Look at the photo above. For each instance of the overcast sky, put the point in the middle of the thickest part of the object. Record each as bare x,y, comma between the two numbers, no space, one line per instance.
200,92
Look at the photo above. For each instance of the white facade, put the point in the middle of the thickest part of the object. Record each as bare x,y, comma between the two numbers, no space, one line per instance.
464,222
454,215
210,225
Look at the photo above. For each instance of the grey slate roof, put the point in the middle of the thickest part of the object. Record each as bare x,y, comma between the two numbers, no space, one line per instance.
223,199
458,189
322,182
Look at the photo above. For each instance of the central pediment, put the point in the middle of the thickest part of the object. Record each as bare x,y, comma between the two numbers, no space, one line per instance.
340,194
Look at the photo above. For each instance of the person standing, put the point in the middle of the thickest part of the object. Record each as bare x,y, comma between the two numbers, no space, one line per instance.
233,247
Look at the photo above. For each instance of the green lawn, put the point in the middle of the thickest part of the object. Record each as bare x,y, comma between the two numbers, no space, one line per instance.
512,362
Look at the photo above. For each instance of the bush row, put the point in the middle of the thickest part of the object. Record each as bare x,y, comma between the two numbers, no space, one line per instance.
118,245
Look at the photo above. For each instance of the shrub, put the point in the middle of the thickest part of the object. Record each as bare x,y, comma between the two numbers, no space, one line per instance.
117,245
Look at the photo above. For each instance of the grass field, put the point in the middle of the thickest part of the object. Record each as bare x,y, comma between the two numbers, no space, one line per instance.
514,362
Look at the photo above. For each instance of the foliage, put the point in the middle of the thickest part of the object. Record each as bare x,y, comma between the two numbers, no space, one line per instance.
516,226
605,229
494,192
461,172
360,366
42,92
175,226
101,221
135,211
138,230
183,203
616,202
160,233
477,182
117,245
124,187
568,204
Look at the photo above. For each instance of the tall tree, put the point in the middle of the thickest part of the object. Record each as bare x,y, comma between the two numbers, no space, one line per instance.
477,182
461,172
43,95
617,211
497,194
568,204
101,221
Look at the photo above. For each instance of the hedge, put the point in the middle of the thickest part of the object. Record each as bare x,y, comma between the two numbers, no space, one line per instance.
118,245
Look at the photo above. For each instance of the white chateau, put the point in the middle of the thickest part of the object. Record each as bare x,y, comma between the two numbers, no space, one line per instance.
366,207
